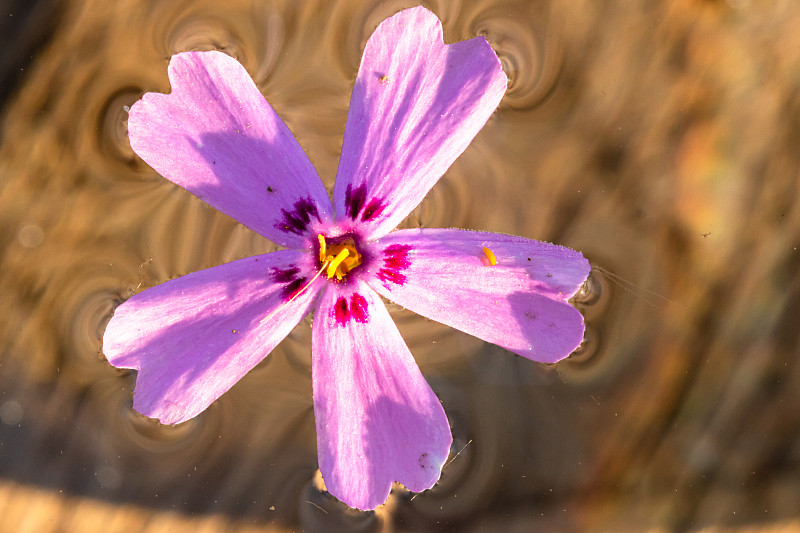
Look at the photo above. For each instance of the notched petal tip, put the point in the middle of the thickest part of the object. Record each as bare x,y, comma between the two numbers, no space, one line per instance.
194,337
519,302
378,421
217,137
416,105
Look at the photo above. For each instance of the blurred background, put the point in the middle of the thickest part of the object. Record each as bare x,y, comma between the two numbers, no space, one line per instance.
660,138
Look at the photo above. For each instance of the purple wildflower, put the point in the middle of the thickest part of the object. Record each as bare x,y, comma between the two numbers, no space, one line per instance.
416,105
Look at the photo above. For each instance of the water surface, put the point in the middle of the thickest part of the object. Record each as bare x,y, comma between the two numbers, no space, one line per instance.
659,138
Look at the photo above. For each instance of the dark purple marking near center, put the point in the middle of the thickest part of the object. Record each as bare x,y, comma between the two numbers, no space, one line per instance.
297,220
284,275
293,282
395,261
355,199
357,310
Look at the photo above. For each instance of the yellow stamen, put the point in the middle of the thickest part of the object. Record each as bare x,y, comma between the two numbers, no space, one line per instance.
489,255
321,248
336,262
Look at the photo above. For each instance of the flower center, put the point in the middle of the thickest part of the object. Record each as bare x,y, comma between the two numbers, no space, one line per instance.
338,257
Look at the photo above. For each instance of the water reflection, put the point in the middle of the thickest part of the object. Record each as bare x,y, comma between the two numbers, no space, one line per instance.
658,138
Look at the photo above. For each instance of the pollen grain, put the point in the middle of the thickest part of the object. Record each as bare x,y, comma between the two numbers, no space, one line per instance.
490,256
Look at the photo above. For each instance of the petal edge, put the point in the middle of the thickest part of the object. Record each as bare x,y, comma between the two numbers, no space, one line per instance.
519,303
378,421
416,105
194,337
217,137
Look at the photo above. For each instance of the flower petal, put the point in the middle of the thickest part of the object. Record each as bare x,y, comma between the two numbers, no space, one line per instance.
194,337
378,420
217,137
518,303
416,105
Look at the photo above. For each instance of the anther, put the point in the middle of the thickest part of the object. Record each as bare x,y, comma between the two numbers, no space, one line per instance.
489,255
336,262
322,248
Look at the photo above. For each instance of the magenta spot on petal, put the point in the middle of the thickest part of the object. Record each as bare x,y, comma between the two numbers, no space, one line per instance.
358,308
356,311
297,220
395,261
340,311
396,256
393,277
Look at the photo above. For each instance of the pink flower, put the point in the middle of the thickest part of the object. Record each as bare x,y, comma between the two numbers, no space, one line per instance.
416,105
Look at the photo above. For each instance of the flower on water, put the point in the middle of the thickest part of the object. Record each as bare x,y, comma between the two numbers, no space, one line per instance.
416,105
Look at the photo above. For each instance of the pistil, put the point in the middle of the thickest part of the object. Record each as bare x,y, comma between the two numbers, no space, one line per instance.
333,267
338,257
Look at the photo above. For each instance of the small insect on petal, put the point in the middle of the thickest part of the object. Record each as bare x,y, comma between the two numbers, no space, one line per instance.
490,256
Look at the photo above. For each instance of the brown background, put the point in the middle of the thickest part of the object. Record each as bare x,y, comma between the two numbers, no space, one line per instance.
659,138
